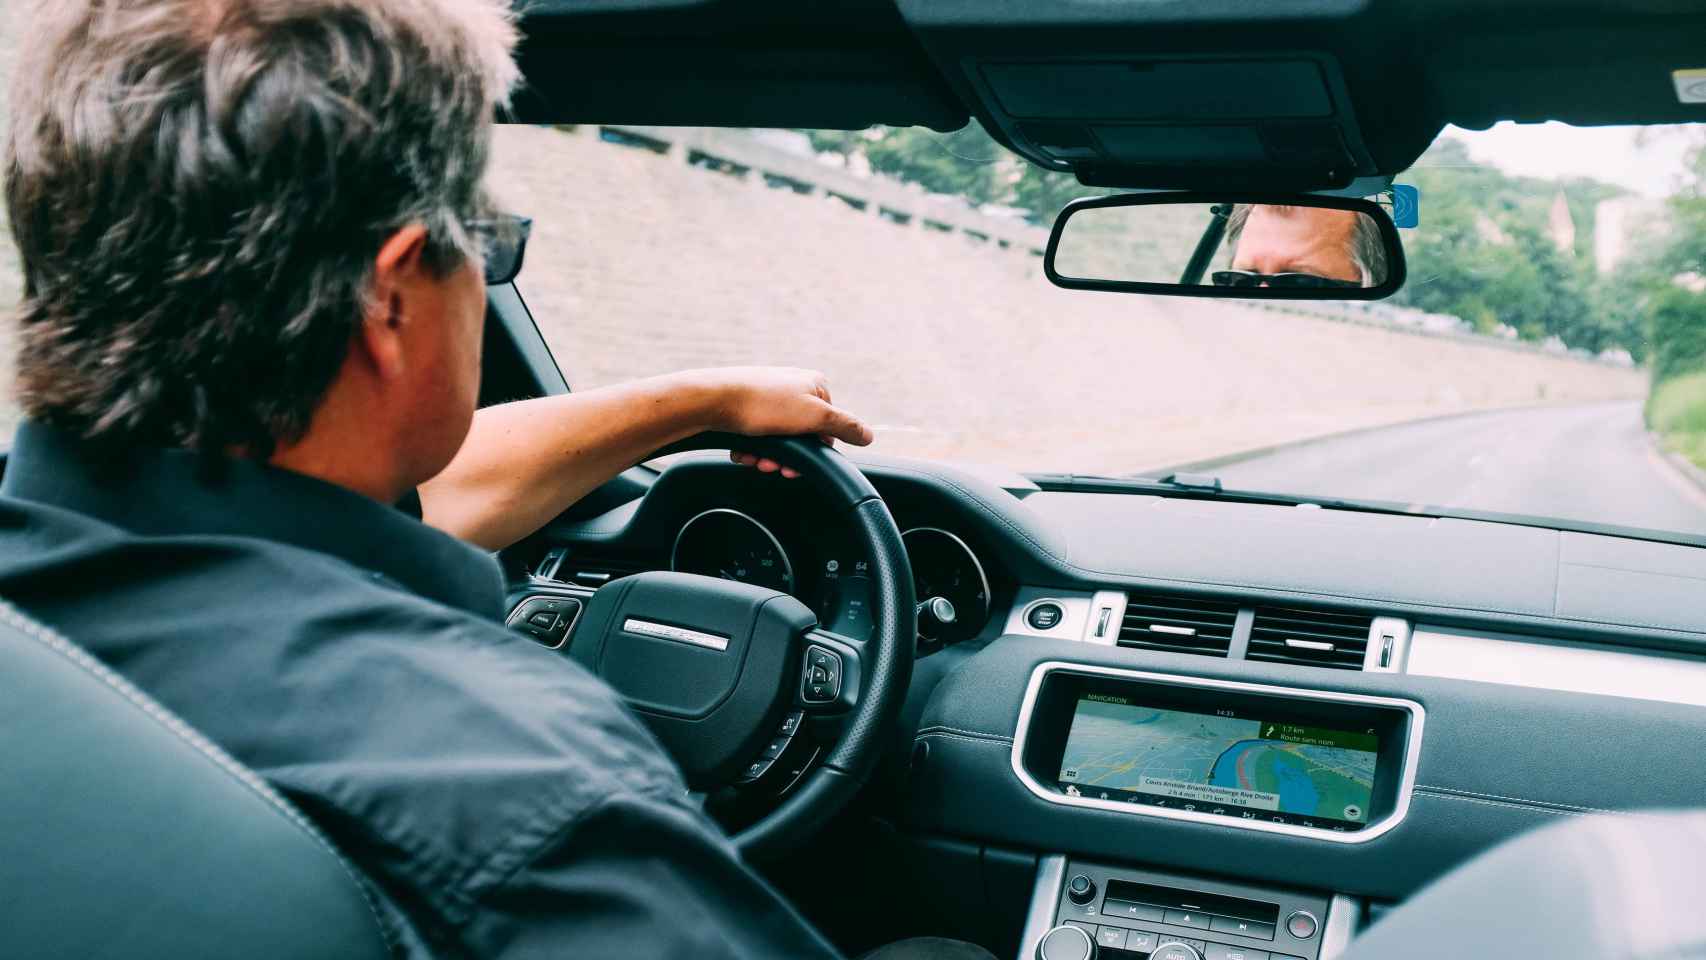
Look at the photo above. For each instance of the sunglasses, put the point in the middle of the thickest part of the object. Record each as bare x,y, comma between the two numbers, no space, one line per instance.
503,240
1296,281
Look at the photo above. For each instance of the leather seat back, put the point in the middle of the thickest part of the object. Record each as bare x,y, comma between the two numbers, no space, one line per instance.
124,833
1625,886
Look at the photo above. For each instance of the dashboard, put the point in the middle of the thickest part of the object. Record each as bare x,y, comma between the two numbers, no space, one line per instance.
1308,710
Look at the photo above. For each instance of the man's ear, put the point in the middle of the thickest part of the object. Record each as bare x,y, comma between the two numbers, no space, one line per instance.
396,272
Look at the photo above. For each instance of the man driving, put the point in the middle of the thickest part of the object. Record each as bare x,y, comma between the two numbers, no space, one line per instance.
256,248
1279,245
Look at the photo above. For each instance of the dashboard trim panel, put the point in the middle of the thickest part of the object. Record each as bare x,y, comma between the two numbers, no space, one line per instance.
1074,605
1045,897
1598,669
1340,926
1407,776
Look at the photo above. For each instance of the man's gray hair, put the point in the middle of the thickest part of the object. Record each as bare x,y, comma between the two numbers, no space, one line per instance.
1366,248
199,188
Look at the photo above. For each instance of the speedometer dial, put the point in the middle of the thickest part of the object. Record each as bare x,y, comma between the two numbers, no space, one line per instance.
943,566
731,545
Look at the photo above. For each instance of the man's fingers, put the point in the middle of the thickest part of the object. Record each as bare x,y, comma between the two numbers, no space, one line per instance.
841,425
744,459
790,473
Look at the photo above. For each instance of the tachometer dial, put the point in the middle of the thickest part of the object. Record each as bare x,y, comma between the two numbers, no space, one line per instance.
731,545
943,567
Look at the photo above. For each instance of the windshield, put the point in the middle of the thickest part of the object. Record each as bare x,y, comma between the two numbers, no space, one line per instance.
1547,356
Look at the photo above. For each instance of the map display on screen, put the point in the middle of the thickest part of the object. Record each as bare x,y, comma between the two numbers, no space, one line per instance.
1233,766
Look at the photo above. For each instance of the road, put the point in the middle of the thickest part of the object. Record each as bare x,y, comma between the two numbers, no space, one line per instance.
1589,462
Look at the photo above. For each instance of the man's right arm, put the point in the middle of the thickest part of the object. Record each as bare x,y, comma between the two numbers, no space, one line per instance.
638,876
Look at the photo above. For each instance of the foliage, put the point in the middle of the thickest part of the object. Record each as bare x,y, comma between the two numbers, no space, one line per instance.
1678,331
1676,410
1485,252
1673,278
967,163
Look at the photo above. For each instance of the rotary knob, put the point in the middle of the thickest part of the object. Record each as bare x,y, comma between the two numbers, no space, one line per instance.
1175,951
1066,942
935,612
1081,889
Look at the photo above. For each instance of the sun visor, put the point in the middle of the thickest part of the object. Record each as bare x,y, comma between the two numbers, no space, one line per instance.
1180,122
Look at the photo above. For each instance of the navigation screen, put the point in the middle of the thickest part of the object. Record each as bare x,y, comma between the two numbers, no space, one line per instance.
1250,768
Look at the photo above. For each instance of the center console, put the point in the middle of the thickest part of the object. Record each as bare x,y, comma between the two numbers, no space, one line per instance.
1330,766
1082,909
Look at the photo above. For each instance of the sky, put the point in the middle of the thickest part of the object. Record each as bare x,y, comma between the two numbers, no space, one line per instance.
1553,150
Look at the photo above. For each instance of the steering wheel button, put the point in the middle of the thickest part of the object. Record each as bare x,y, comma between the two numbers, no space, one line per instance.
819,675
543,619
791,723
774,748
756,769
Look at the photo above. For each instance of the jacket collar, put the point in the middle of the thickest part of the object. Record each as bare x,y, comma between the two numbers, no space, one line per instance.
156,492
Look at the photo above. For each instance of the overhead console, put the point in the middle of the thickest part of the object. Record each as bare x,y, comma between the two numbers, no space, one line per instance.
1293,94
1311,763
1155,121
1169,96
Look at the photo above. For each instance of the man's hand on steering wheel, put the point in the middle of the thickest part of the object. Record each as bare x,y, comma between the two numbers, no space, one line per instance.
525,462
782,401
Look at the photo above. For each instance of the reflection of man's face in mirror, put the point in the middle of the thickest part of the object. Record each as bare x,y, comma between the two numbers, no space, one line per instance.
1315,240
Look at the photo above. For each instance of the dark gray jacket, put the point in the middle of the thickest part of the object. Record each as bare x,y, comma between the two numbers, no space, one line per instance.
499,797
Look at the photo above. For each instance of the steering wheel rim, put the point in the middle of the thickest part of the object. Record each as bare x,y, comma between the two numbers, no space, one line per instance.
886,658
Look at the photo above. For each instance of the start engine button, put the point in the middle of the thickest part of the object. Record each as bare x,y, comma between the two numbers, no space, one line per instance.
1045,615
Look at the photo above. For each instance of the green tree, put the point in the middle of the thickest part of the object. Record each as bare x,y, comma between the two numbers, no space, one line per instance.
1676,308
966,163
1485,252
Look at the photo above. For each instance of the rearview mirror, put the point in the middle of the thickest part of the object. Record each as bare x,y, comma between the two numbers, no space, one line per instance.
1207,245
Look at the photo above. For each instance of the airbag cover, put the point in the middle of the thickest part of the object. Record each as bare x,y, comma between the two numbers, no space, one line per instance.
706,663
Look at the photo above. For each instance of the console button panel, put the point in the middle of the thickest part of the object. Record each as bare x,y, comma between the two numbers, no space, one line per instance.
1138,912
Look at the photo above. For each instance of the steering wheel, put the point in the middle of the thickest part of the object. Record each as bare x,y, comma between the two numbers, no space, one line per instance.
719,670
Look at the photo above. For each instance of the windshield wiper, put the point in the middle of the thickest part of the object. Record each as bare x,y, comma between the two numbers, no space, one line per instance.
1197,486
1203,486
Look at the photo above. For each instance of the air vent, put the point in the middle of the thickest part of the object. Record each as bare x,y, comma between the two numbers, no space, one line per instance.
1320,638
1178,624
595,570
